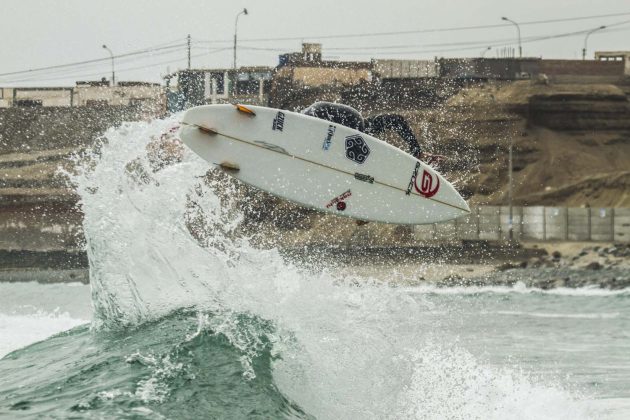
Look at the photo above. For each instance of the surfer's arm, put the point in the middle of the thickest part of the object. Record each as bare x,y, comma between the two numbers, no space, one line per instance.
377,125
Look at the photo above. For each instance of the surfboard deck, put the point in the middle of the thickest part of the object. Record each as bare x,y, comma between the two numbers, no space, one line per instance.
320,164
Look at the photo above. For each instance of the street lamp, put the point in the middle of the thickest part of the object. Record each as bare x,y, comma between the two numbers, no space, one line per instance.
518,29
484,51
510,169
243,12
113,73
586,40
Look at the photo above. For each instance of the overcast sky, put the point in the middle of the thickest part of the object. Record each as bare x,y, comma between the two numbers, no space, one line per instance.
40,33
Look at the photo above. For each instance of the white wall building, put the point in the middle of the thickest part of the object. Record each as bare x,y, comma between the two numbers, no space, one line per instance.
92,93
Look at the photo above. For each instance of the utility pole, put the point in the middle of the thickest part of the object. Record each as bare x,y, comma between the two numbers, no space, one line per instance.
188,39
511,219
518,29
586,40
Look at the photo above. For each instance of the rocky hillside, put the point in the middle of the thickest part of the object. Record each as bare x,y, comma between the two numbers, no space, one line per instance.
571,143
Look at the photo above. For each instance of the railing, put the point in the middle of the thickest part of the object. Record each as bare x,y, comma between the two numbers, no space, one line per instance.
533,224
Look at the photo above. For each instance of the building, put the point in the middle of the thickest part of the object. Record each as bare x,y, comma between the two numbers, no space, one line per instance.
192,87
145,95
148,96
300,74
307,69
32,97
617,56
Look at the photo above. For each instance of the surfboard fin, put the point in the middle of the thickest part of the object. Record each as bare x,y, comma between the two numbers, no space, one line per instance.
245,110
207,130
229,166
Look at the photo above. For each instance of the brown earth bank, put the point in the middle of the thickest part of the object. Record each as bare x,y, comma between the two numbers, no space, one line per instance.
571,147
571,143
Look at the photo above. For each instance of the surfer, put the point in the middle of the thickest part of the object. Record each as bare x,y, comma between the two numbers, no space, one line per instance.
374,126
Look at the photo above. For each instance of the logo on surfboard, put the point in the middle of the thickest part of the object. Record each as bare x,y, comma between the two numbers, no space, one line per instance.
339,201
357,149
278,122
329,135
426,188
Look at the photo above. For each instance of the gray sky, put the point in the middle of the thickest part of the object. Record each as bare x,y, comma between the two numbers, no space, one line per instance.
39,33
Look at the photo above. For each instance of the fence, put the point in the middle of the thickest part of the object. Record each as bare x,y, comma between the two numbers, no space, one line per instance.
533,224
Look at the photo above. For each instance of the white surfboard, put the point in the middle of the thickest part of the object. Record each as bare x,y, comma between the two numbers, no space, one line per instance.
320,164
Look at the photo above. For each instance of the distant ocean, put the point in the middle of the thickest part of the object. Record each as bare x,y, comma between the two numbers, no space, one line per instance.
204,325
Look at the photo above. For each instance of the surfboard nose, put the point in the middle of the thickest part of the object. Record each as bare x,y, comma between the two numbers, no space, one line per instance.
453,203
463,205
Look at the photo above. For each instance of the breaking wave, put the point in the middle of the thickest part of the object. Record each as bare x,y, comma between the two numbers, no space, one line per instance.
192,320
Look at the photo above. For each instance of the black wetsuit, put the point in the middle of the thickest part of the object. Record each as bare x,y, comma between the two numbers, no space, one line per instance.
374,126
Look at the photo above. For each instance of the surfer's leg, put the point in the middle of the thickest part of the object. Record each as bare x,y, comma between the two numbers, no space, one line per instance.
378,124
337,113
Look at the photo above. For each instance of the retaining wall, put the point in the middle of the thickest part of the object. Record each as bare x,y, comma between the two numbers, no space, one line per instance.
536,223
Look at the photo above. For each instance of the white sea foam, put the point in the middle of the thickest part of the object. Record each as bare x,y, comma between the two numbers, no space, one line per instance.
31,312
349,348
603,315
518,288
19,330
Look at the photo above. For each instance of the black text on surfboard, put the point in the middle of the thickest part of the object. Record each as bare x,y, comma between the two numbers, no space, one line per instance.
412,181
329,136
364,177
339,201
278,122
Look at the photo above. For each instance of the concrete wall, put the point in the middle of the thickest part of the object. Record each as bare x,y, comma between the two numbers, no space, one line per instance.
537,223
48,97
581,67
403,69
317,76
579,224
516,68
488,68
622,225
533,227
151,97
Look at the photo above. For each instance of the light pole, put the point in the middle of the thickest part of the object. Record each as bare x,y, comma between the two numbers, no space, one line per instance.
484,51
586,40
511,219
518,29
113,73
243,12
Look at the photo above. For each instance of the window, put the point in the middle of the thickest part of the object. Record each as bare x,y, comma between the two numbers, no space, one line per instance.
28,103
218,78
249,87
96,102
137,102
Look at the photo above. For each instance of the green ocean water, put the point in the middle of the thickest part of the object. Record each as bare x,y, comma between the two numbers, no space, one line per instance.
166,369
481,353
